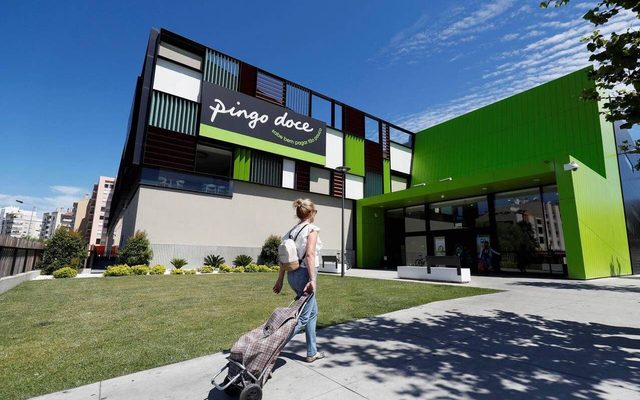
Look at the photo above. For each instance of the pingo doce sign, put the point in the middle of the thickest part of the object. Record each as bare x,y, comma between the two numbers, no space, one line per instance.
239,113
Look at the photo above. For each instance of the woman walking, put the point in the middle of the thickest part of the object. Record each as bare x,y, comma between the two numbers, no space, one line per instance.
303,279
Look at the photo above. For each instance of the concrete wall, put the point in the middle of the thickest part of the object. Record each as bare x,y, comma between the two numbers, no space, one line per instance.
9,282
191,225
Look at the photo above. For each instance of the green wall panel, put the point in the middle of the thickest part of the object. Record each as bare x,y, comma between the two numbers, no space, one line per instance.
386,176
354,154
242,164
523,141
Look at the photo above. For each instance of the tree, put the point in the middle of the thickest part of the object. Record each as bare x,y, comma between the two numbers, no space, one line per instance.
269,252
65,249
137,251
617,69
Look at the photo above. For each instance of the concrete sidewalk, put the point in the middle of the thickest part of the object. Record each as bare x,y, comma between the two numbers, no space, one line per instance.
538,339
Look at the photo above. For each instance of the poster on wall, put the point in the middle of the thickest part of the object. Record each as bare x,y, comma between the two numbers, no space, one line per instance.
439,246
237,118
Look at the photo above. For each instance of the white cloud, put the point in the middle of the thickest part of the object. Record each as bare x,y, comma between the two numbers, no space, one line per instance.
61,197
536,62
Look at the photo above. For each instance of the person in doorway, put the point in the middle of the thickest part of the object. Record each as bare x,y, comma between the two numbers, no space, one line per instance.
303,279
486,256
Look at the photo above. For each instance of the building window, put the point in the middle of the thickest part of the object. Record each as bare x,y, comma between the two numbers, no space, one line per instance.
103,209
321,109
297,99
337,116
398,183
400,137
319,180
372,129
188,182
415,219
213,161
98,241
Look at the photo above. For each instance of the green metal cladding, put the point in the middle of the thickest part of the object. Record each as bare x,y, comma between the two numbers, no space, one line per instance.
354,154
523,141
242,164
386,175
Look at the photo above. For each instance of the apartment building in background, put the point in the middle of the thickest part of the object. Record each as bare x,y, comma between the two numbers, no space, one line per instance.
19,223
97,214
53,220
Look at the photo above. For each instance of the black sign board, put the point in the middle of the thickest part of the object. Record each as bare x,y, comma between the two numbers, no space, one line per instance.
256,123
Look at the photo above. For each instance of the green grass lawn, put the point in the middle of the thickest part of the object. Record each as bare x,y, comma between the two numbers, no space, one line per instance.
65,333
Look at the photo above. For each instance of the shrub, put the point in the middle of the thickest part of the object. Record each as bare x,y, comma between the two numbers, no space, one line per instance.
140,269
206,269
237,269
242,260
118,270
189,271
65,272
264,268
177,271
66,248
137,251
269,252
275,268
158,270
252,268
225,268
178,262
214,260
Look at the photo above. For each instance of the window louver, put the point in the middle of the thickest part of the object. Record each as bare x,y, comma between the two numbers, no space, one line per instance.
173,113
270,88
266,169
221,70
297,99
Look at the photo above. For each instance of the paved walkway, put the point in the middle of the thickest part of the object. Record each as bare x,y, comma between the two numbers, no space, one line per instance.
539,339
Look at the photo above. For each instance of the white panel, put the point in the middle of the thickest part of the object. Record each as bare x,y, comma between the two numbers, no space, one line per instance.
354,187
400,158
398,184
334,149
288,173
319,180
179,55
177,80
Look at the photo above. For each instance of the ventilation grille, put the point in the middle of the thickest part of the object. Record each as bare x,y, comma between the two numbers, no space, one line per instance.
173,113
168,150
337,183
302,176
386,142
221,70
298,99
270,88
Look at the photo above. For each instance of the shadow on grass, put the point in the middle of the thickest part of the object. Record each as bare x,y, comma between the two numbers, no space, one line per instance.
482,357
579,286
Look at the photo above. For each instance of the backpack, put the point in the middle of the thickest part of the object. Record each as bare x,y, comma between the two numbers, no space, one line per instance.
288,252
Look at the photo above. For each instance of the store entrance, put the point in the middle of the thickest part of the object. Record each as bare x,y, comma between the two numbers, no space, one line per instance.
455,242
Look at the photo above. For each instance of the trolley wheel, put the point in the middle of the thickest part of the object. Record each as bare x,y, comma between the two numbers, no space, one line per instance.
251,392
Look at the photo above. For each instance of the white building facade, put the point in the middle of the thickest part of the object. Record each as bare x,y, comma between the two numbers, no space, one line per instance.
19,223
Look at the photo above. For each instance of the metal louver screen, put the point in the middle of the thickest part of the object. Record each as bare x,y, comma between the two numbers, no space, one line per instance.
373,184
266,169
270,88
221,70
297,99
173,113
386,142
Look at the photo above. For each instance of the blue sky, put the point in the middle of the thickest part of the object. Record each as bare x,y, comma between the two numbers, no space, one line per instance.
68,68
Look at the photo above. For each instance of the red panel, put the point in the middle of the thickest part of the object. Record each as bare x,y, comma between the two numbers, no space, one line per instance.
169,149
353,121
372,156
248,79
302,176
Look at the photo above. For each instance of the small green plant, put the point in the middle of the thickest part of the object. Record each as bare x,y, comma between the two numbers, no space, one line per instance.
140,269
237,269
118,270
137,251
66,248
214,260
275,268
178,262
65,272
253,267
269,252
158,270
189,271
264,268
206,269
225,268
242,260
177,271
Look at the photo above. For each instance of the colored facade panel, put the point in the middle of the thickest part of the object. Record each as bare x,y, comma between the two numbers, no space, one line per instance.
386,176
354,154
520,142
242,164
177,80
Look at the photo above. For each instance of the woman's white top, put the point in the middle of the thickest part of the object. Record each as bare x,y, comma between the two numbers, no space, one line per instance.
301,241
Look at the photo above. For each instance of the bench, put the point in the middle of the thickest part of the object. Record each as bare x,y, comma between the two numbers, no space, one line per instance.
332,265
437,268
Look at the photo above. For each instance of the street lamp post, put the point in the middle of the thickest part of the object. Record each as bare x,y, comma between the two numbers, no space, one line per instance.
344,169
33,211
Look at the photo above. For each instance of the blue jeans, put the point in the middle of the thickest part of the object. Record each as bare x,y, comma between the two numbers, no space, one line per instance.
309,316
